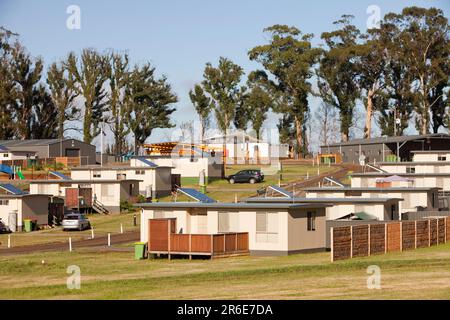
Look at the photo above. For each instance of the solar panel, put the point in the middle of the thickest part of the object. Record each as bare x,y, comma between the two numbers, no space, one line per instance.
60,175
196,195
147,162
10,188
281,191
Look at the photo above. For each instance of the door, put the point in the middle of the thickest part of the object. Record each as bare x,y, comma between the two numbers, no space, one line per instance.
72,152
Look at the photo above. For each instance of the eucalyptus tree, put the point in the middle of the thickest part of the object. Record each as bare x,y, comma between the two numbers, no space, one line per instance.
338,72
289,58
203,107
61,84
222,85
26,73
90,74
148,103
119,77
422,37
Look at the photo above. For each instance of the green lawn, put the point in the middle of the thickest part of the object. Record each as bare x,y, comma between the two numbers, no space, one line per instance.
222,191
419,274
102,224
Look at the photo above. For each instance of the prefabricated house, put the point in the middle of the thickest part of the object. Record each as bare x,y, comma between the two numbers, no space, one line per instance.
89,194
243,148
375,208
10,155
418,180
416,167
212,229
184,166
431,155
15,205
155,181
412,197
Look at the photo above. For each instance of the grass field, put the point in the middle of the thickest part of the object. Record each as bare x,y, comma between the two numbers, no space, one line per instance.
102,224
419,274
222,191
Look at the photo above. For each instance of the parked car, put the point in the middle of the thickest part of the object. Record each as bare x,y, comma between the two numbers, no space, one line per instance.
3,227
75,221
246,176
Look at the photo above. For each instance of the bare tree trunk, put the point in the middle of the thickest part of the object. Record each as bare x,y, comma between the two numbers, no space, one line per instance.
369,112
224,156
299,136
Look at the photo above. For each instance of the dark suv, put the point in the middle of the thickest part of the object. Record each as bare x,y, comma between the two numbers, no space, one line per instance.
246,176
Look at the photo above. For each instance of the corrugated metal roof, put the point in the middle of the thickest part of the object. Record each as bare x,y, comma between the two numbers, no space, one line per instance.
99,168
320,200
400,189
227,205
388,140
93,181
31,142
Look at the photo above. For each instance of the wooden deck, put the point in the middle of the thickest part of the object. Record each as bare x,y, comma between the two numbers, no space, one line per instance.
163,240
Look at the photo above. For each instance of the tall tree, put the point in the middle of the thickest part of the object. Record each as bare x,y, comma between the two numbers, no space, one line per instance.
222,84
258,100
327,124
422,35
90,74
118,80
289,58
202,105
44,120
61,84
7,87
372,63
338,72
148,103
26,73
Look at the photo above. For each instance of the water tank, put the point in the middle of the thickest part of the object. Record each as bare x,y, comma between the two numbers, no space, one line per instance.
12,221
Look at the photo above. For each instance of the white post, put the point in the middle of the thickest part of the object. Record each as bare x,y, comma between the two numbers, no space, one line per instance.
235,198
101,144
9,241
92,233
109,239
318,171
121,228
307,175
70,244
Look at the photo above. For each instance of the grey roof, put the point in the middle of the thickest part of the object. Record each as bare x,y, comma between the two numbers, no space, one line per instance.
431,151
228,205
381,174
381,190
100,168
14,196
32,142
319,200
388,140
409,163
92,181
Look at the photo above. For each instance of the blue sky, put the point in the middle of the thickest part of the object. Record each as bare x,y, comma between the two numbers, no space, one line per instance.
177,36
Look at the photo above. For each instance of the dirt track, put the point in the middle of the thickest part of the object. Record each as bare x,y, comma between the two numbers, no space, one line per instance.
126,237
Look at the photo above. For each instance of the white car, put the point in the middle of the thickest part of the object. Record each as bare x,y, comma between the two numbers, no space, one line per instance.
75,221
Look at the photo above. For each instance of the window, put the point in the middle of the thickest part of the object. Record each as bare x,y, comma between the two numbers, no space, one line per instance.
139,172
4,202
97,174
410,170
267,227
5,155
228,222
311,221
442,158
